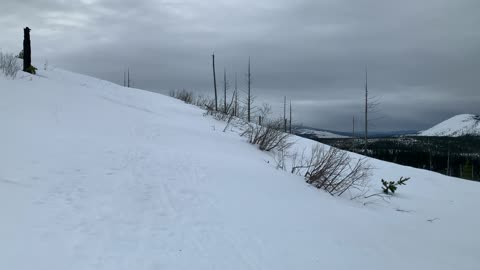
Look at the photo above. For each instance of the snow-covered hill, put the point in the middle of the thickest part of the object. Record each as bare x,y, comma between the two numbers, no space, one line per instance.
97,176
459,125
319,134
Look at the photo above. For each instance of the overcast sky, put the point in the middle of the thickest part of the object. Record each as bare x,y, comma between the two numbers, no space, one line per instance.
423,57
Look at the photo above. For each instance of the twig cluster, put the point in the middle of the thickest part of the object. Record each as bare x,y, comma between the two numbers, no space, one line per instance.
268,136
332,170
184,95
9,65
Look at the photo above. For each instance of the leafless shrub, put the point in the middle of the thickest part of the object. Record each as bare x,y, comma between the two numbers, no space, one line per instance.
226,114
265,111
184,95
9,65
208,105
203,101
218,115
229,121
332,170
267,136
280,158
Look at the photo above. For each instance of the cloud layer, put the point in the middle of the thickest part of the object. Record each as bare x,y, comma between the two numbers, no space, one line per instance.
423,57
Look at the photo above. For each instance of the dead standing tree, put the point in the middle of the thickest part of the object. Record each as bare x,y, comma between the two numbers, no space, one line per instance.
27,52
371,107
249,96
128,78
366,111
353,133
285,114
290,124
225,87
235,94
214,82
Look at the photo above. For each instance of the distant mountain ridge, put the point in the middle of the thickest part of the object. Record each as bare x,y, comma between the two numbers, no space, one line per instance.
325,133
459,125
319,134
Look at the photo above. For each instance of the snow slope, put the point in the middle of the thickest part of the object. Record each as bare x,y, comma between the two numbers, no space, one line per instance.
97,176
459,125
320,134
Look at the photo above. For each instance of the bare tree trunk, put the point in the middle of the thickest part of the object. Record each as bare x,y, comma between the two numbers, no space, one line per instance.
290,124
27,50
249,97
365,147
353,133
128,78
235,106
225,90
124,78
285,113
214,82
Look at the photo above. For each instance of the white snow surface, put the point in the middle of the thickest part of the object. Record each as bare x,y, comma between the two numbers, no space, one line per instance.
459,125
321,134
98,176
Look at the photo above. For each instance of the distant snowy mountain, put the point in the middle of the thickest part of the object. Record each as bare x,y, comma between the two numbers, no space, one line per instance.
459,125
320,134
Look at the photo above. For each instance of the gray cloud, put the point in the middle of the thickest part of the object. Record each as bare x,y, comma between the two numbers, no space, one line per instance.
423,56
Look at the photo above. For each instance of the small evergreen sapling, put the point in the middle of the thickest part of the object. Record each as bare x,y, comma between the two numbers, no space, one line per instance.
391,186
31,69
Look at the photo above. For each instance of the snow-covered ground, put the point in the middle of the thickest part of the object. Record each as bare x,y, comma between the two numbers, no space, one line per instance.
97,176
320,134
459,125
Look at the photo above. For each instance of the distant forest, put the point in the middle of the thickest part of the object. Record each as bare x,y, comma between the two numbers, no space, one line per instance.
458,157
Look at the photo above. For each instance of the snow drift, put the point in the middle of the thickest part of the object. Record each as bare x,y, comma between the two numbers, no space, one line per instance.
97,176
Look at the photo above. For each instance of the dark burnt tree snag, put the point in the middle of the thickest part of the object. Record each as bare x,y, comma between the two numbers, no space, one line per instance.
214,82
27,51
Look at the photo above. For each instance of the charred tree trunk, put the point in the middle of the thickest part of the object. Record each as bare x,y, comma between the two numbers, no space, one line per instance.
249,97
215,83
128,78
235,106
290,124
366,112
285,114
224,90
27,51
353,134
